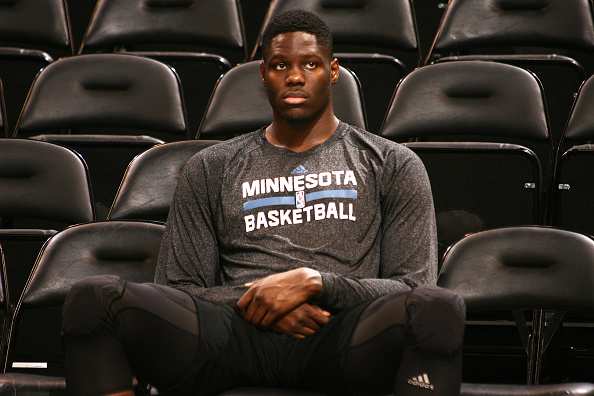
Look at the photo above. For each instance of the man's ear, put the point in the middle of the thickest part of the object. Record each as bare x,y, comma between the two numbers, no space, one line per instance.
262,69
334,70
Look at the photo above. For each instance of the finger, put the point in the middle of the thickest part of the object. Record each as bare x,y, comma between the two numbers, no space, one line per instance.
309,327
318,315
257,316
320,319
244,301
297,331
249,311
276,310
257,310
306,323
270,317
302,333
322,311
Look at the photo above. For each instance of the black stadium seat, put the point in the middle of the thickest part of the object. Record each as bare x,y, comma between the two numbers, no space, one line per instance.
44,188
481,130
124,248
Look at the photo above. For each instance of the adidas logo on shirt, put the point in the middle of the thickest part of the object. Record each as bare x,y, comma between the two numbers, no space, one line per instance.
299,170
421,381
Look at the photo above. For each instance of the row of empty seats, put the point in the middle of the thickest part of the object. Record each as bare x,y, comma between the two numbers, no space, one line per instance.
378,39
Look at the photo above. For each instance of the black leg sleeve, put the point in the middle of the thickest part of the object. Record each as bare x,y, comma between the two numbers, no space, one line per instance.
114,329
432,357
408,344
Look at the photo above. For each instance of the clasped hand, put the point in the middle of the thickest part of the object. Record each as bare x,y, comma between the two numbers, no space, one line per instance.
279,302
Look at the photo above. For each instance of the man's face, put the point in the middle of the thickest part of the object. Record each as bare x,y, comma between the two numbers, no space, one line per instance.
298,74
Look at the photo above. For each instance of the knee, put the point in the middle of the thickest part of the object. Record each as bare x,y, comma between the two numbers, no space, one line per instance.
87,304
436,319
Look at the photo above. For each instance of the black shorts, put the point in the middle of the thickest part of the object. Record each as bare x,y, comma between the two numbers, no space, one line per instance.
238,353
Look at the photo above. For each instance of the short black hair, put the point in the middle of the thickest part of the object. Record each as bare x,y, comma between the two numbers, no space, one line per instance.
298,21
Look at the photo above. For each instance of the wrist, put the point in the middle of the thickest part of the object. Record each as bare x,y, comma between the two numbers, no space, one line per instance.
313,281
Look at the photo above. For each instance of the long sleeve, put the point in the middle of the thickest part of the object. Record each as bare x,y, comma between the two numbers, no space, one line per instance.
189,256
408,249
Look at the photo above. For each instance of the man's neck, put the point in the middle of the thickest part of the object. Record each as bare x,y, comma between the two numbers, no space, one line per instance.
300,138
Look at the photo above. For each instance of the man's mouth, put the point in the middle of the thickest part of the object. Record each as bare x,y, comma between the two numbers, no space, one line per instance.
294,98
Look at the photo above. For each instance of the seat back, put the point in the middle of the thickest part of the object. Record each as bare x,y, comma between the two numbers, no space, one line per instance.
229,113
377,39
120,92
522,268
44,187
128,249
572,189
35,24
148,185
476,24
560,75
471,101
211,26
43,181
468,99
533,269
33,33
105,106
580,124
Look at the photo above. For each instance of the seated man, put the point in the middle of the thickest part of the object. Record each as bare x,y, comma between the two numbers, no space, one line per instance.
301,255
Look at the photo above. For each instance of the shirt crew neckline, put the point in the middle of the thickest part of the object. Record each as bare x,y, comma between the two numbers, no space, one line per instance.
337,134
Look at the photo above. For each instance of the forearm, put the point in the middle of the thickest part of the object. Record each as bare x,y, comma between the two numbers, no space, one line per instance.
341,292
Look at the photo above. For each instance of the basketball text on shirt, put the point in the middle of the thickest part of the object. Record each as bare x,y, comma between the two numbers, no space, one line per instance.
300,185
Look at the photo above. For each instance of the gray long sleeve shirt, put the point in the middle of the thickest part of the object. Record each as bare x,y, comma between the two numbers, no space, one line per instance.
357,208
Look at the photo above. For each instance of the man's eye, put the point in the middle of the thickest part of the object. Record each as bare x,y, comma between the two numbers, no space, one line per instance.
310,65
279,66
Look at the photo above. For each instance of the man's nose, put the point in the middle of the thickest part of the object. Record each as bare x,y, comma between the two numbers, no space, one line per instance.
295,76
